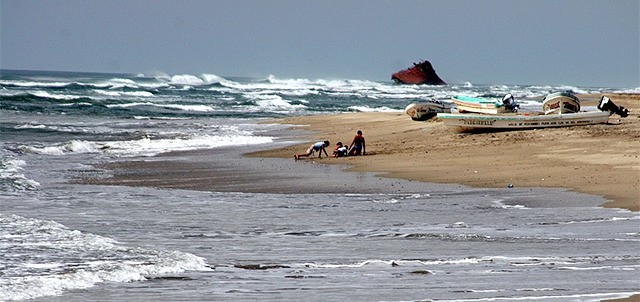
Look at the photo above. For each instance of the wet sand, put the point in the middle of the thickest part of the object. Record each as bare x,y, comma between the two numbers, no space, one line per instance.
634,298
596,159
228,170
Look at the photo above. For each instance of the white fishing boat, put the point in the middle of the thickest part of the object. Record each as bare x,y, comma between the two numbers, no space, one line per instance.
479,105
560,103
463,122
426,110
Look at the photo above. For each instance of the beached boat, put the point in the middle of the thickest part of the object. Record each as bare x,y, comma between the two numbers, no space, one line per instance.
462,122
426,110
420,73
478,105
560,103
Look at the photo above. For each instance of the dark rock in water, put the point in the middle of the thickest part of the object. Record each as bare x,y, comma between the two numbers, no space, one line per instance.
176,278
420,73
294,277
303,277
259,266
307,233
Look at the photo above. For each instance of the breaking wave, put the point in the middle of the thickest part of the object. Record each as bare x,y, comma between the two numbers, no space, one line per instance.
11,176
147,146
61,259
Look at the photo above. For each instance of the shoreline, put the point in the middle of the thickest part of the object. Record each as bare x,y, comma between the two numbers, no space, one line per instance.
601,160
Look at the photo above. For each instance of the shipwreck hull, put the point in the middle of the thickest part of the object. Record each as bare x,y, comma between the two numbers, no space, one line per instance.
420,73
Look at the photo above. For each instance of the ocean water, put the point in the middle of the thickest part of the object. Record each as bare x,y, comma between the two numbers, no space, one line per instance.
63,241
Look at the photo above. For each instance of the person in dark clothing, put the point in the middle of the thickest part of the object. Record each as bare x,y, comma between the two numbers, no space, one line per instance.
358,146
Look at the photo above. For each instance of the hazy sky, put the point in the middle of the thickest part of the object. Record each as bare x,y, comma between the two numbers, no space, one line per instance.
557,42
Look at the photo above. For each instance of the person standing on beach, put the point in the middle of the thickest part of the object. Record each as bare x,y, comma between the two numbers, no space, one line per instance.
319,146
358,146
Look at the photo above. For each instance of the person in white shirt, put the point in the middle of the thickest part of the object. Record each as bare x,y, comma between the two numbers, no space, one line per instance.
319,146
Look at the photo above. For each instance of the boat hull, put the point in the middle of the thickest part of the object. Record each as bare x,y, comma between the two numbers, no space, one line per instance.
483,122
426,110
420,73
560,103
476,105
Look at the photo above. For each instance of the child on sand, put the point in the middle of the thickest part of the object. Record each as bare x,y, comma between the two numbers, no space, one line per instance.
358,146
319,146
340,150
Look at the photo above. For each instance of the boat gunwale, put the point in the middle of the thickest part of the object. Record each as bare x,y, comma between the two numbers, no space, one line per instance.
516,116
462,122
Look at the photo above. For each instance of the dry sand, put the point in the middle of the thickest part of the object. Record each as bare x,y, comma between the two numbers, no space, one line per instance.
597,159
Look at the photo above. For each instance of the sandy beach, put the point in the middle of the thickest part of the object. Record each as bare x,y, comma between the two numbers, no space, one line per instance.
597,159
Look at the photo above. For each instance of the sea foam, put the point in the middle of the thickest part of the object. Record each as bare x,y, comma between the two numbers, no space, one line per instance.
147,146
63,259
12,178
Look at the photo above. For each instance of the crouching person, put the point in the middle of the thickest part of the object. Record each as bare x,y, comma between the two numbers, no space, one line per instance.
319,146
340,150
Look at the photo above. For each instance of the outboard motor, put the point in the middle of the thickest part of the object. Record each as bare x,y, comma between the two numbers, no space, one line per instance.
510,103
606,104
